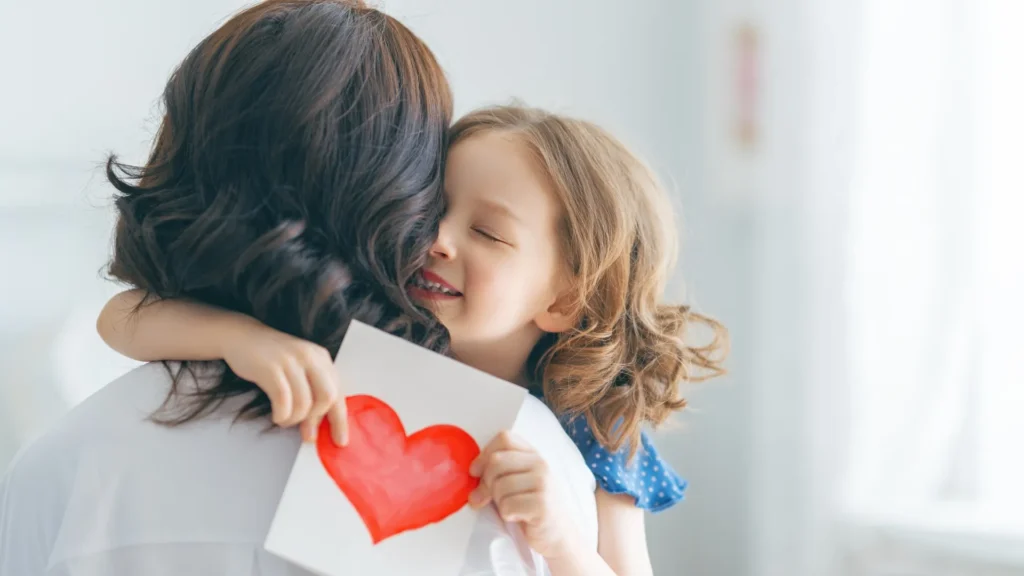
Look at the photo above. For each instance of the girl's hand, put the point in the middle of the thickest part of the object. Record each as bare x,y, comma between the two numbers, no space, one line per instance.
515,477
297,376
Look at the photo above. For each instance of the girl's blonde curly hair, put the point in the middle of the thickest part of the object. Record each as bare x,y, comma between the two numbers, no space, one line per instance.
623,363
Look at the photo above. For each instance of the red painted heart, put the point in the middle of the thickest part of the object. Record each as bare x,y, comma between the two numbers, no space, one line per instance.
398,483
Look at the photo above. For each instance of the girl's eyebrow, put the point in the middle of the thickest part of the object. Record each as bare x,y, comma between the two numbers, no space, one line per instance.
502,208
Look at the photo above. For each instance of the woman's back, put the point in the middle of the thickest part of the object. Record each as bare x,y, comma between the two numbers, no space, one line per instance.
109,492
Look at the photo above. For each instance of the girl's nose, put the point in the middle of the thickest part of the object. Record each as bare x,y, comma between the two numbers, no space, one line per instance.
444,245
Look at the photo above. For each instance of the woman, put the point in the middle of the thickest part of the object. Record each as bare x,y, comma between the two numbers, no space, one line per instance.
296,177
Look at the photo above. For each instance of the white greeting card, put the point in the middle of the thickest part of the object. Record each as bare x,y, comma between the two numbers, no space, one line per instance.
394,500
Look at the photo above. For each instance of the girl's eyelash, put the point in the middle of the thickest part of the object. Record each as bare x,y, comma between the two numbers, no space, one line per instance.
490,237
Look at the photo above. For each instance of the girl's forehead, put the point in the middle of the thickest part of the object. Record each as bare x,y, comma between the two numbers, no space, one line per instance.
492,159
486,172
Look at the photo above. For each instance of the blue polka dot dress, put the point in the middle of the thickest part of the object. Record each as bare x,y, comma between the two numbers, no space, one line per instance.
652,483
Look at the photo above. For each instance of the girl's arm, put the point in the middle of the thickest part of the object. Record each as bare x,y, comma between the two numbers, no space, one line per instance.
621,537
621,543
298,376
170,329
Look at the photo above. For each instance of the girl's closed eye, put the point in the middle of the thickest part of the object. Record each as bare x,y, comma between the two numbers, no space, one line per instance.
489,235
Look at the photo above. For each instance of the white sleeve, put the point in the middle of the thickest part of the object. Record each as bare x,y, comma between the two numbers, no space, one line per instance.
23,541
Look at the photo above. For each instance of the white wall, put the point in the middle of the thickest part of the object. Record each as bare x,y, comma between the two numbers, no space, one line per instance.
80,79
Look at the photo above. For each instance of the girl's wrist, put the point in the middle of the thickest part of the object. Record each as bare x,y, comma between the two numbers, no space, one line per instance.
235,327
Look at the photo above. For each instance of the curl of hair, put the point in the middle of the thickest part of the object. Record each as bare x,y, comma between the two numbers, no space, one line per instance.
296,178
621,377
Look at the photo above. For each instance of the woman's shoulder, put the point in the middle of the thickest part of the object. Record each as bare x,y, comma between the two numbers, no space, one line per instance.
544,431
539,426
105,454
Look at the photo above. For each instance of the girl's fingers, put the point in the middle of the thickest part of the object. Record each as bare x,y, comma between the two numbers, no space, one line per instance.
328,399
338,417
308,430
279,393
498,466
323,390
505,440
519,508
302,397
506,462
514,485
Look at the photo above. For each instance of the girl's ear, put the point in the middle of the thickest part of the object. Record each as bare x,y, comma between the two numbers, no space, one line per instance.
560,316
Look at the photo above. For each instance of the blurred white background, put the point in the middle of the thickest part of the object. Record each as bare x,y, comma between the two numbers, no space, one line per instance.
849,175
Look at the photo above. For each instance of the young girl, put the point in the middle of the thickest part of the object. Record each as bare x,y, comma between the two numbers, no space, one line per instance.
547,271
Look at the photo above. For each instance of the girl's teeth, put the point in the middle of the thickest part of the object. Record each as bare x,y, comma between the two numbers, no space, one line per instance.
435,287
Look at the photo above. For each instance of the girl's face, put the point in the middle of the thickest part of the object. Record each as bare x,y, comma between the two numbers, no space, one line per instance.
494,275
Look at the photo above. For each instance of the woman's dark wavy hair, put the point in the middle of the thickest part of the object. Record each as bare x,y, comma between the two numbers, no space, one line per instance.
296,177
